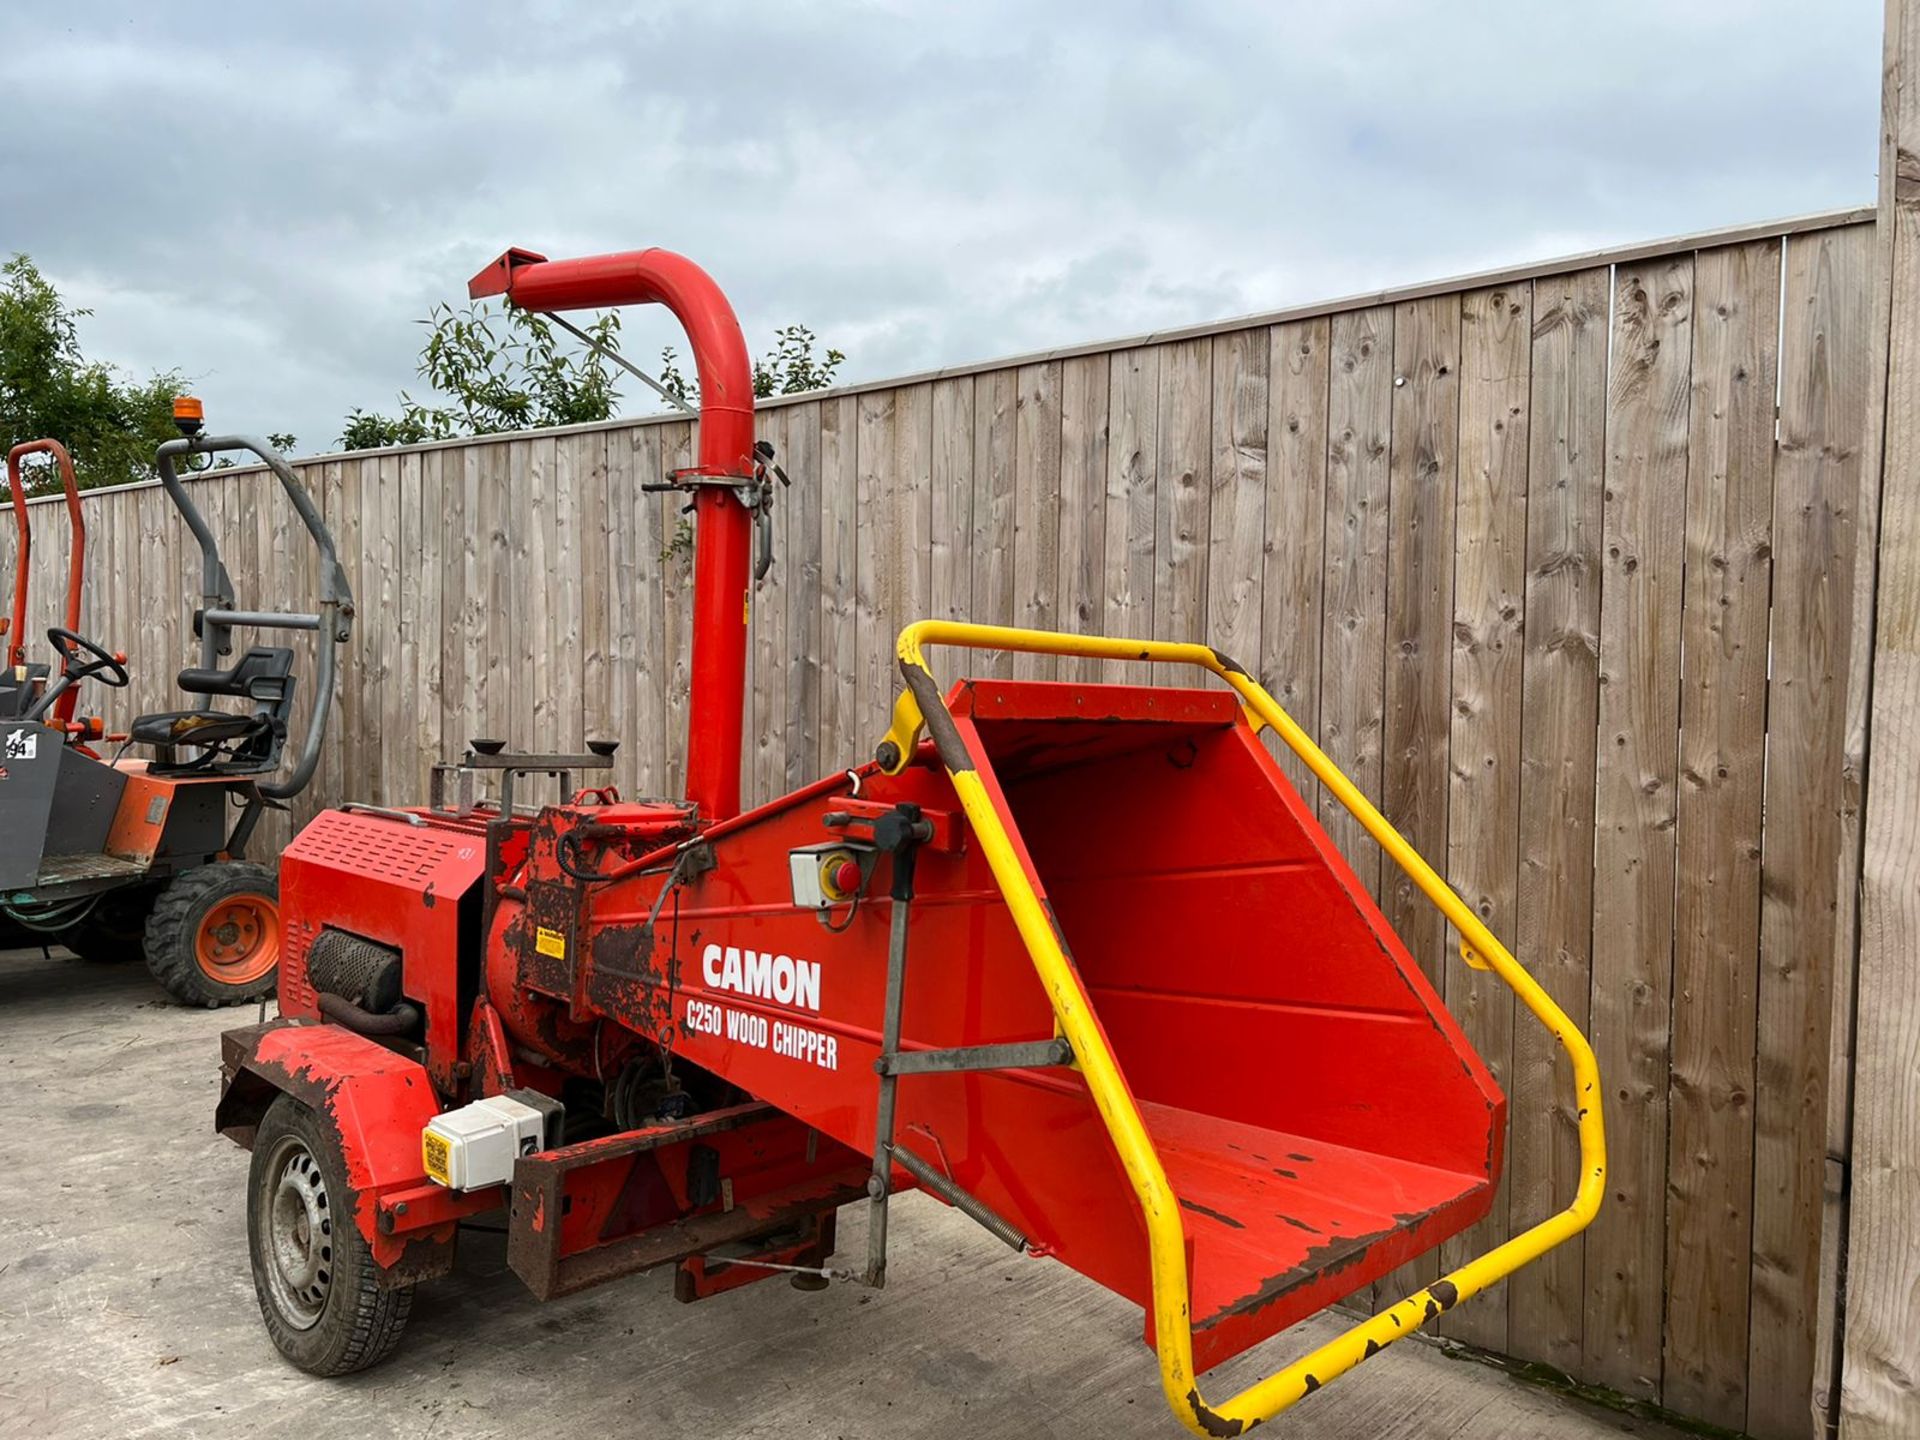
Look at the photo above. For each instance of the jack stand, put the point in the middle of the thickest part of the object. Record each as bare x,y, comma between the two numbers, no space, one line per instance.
899,833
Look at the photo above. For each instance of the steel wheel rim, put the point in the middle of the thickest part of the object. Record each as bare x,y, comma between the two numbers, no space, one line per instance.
296,1242
238,939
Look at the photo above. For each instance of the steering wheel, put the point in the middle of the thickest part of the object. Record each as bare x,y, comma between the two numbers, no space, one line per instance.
105,666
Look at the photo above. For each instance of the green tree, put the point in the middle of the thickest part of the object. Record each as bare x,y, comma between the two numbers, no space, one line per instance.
110,422
498,369
503,369
365,431
789,368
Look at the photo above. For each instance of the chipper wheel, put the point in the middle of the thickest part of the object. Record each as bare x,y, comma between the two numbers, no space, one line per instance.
214,936
316,1279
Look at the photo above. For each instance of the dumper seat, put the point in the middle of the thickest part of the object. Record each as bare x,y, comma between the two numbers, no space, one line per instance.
227,742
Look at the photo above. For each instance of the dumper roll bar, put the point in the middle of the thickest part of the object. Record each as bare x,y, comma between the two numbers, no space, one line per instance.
76,558
219,617
921,705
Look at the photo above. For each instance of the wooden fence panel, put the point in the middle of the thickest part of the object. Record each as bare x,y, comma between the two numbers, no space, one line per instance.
571,476
802,559
1634,811
1483,802
492,673
384,497
1237,534
879,527
992,539
840,720
330,780
1295,531
1553,926
407,696
1181,530
676,584
909,586
538,708
292,557
1036,511
1422,484
1084,395
1879,1395
1816,474
596,571
405,725
1353,664
1466,534
950,502
344,518
767,668
1133,447
648,533
1729,572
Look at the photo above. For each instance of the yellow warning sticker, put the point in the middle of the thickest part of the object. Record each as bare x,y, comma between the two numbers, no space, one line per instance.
434,1155
550,942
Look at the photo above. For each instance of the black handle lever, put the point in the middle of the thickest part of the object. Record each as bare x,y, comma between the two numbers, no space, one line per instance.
900,832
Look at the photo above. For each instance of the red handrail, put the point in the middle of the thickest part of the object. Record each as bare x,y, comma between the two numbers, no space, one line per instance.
76,562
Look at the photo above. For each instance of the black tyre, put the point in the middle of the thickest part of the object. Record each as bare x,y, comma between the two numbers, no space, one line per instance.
315,1277
214,935
115,929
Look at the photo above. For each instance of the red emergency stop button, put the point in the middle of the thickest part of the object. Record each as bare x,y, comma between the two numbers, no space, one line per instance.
844,876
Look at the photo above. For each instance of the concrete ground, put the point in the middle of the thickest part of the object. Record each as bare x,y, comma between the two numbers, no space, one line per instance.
126,1308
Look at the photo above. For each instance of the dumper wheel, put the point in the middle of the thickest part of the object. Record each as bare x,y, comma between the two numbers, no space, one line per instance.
315,1277
214,936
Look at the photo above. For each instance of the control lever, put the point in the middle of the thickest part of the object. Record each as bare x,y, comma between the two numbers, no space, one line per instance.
899,832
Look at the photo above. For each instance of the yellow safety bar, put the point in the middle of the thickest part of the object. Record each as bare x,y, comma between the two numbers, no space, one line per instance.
921,705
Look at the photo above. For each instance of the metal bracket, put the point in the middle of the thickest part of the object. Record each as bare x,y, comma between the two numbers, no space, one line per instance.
386,812
534,764
902,830
1021,1055
465,790
617,358
754,492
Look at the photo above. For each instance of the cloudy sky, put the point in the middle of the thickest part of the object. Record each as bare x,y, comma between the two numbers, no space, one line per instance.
267,197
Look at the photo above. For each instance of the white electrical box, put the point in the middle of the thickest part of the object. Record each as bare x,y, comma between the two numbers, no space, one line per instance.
476,1145
804,867
829,874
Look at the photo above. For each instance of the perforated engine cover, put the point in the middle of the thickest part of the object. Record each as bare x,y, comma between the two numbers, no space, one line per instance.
396,884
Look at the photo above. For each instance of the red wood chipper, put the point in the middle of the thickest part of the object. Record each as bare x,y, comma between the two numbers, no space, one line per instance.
1074,959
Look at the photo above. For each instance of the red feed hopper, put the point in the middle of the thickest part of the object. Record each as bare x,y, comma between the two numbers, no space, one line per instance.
1318,1113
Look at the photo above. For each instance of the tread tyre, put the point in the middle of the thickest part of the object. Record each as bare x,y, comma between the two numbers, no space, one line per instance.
214,936
316,1279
